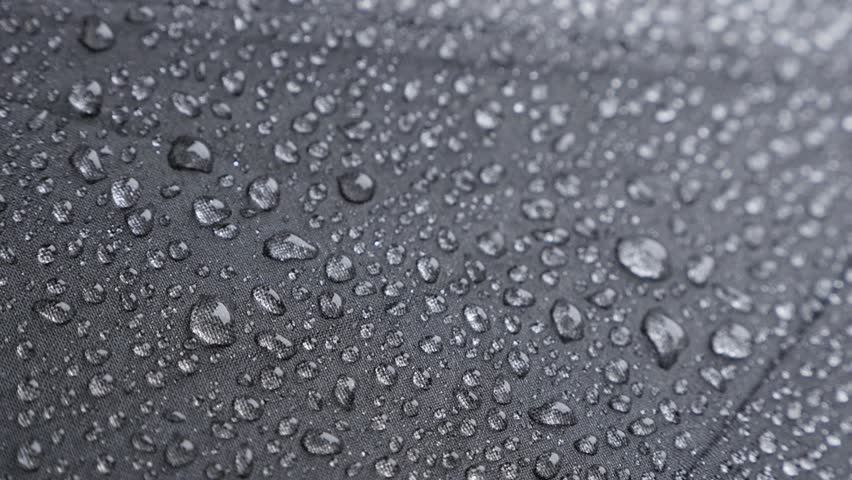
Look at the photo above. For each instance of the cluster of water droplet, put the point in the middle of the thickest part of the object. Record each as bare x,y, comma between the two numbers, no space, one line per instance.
287,245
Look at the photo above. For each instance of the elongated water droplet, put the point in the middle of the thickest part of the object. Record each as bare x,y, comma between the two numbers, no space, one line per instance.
284,246
568,320
54,311
555,413
665,334
317,442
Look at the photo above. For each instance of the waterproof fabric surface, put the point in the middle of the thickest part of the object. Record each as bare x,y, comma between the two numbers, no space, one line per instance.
438,239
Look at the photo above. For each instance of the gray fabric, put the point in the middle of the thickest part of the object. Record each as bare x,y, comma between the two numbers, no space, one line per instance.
528,160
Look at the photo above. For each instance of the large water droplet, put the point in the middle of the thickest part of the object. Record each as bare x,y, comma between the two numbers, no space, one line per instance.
699,268
491,243
101,385
269,300
732,341
356,187
339,268
210,322
86,98
180,451
190,153
264,193
87,162
140,221
210,211
547,465
344,392
644,257
330,305
96,34
429,268
125,192
665,334
568,320
477,318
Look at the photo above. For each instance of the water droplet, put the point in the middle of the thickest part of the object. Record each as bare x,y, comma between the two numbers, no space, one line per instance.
386,467
644,257
234,81
210,322
190,153
317,442
96,34
518,297
547,465
125,192
553,414
264,193
269,300
330,305
276,345
140,221
86,98
29,455
87,162
568,320
339,268
356,187
284,246
344,392
180,451
54,311
210,211
429,268
101,385
732,341
665,334
643,426
491,243
477,318
587,445
699,268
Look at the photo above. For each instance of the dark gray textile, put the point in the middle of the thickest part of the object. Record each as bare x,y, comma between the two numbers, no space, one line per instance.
418,240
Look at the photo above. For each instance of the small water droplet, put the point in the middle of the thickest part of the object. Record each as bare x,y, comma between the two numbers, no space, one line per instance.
555,413
284,246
